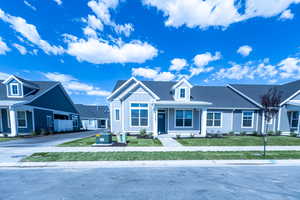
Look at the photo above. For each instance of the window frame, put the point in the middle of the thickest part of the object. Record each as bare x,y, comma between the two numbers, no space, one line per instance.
11,89
184,110
25,115
291,122
213,119
252,119
139,108
117,114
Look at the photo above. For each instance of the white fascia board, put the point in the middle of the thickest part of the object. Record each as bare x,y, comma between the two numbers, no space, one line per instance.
122,86
243,95
292,96
11,103
181,81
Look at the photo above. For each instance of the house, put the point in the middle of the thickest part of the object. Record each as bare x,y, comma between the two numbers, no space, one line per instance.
172,108
35,106
93,117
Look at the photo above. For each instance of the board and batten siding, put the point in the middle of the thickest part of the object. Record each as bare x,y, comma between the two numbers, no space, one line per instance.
226,121
40,117
237,122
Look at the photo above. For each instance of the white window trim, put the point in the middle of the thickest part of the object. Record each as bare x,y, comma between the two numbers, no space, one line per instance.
252,121
138,102
292,113
184,127
115,114
11,89
18,119
221,124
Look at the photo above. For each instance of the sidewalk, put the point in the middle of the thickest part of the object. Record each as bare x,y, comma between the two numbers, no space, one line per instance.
160,164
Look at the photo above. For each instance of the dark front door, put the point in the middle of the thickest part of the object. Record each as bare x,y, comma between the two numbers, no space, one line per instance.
161,122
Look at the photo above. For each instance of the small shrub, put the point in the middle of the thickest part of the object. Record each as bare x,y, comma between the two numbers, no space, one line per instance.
243,133
278,133
34,133
293,134
255,133
192,135
270,133
44,132
231,133
143,133
178,136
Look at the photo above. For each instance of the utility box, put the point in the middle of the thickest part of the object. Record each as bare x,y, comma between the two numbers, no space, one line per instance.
104,138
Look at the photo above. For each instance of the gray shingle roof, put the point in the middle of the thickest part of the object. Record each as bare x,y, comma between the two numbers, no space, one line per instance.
91,111
42,85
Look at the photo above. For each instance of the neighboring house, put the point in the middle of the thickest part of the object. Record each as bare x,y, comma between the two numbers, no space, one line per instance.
35,106
182,108
93,117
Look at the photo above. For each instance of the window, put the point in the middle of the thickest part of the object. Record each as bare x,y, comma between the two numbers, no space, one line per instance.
139,114
213,119
117,114
182,93
247,119
184,118
294,119
21,118
14,89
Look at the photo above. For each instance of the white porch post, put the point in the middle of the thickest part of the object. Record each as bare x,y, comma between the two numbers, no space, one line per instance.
263,122
154,119
203,122
13,122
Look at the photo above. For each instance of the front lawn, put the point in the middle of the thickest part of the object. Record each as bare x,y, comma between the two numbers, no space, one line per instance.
129,156
132,141
3,139
240,141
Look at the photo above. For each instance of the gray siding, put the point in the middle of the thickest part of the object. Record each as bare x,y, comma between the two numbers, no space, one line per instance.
226,123
40,117
54,99
196,121
116,126
237,122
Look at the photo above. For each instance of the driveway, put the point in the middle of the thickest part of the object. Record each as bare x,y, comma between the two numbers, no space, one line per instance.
46,141
234,183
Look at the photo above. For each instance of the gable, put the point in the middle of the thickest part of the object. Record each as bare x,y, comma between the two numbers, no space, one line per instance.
55,99
138,94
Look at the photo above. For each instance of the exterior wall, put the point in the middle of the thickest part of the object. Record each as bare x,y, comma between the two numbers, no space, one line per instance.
29,128
139,95
171,122
54,99
19,85
89,124
116,126
40,117
187,91
4,116
226,122
237,122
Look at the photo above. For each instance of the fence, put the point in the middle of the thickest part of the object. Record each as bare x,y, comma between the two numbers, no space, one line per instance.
63,125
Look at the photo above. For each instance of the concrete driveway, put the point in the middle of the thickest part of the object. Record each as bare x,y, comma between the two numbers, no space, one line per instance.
51,140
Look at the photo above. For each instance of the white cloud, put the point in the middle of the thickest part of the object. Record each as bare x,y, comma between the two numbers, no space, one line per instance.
20,48
74,86
236,72
125,29
177,64
90,32
3,76
30,32
100,52
287,14
3,47
198,70
94,22
29,5
201,60
290,68
59,2
153,74
244,50
203,14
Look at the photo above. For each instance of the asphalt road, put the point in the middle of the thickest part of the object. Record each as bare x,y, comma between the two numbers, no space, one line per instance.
50,140
238,182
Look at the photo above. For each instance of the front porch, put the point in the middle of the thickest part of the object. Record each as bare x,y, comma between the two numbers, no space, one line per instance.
182,118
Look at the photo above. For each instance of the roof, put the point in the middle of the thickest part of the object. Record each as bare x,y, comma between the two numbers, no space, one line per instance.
92,111
213,94
41,85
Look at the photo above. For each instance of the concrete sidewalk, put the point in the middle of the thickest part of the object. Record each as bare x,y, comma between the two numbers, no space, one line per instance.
160,164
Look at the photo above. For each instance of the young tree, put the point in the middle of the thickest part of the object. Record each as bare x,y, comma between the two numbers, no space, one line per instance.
270,102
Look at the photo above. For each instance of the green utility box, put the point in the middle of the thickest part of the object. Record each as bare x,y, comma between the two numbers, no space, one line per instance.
104,138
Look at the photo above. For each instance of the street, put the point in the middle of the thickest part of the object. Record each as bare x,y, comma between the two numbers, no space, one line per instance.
237,182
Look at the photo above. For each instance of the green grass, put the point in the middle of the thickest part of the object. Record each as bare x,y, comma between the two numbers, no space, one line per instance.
130,156
3,139
240,141
132,141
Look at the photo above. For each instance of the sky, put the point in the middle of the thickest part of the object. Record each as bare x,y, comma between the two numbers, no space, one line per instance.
88,45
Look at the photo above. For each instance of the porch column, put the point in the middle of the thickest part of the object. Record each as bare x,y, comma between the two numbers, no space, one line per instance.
154,119
13,123
203,122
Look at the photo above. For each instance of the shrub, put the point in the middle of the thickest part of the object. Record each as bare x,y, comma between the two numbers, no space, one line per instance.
278,133
270,133
243,133
177,136
44,132
255,133
192,135
34,133
143,133
293,134
231,133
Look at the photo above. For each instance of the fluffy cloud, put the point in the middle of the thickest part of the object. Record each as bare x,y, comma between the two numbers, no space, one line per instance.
236,72
244,50
59,2
94,22
20,48
100,52
201,61
30,32
177,64
153,74
287,14
29,5
3,47
203,14
290,68
73,85
3,76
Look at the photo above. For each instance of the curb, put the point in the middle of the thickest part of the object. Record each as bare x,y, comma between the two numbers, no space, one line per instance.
160,164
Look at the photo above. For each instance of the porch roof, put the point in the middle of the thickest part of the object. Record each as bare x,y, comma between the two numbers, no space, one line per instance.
294,102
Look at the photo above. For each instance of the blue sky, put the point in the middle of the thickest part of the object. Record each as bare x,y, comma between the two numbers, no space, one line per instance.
89,45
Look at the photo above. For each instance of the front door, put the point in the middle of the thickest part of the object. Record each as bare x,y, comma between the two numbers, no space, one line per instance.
101,123
161,123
